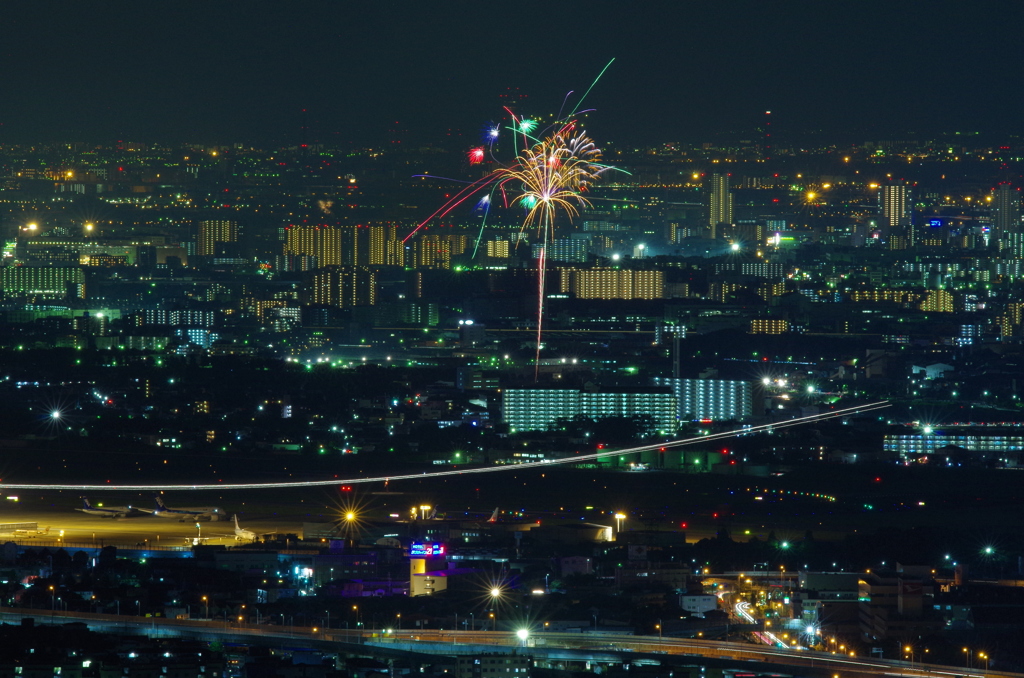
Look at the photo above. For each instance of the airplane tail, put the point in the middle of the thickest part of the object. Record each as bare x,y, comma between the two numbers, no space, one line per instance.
236,523
432,514
85,502
160,503
494,516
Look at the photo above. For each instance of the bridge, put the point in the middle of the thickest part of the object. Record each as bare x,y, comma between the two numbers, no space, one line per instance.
551,647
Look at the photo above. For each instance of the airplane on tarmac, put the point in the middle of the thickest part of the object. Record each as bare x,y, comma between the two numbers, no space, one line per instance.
106,511
186,514
242,534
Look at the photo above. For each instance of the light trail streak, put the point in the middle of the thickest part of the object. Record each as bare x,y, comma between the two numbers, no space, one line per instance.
766,637
869,407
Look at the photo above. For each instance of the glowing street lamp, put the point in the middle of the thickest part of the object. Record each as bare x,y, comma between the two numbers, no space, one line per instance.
522,635
619,517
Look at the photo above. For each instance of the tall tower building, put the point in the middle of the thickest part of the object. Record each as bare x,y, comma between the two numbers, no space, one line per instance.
212,232
1006,210
895,211
720,203
894,206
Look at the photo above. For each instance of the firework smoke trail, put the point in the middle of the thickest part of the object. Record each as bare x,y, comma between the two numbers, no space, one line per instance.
541,274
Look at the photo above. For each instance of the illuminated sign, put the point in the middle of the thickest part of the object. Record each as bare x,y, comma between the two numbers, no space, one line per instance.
426,550
935,223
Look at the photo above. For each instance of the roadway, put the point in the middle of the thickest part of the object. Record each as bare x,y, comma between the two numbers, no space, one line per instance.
609,648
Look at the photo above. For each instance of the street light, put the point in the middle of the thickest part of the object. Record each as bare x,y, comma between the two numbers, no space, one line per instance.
983,655
206,601
523,634
619,517
967,651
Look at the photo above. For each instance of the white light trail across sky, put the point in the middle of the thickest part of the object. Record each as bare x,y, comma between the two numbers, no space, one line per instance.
437,474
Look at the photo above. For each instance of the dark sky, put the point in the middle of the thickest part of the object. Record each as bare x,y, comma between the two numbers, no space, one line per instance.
241,71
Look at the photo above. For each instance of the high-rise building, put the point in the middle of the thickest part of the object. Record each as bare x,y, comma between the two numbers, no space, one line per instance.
343,286
608,283
435,250
386,248
531,409
50,282
715,399
498,249
719,202
1006,210
938,301
212,232
563,249
314,240
894,206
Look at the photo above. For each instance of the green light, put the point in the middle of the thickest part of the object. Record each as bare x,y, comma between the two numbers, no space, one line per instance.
526,125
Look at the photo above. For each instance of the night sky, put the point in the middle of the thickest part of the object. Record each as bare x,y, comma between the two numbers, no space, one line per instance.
242,71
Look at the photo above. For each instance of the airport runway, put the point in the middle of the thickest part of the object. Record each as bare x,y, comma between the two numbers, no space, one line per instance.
56,511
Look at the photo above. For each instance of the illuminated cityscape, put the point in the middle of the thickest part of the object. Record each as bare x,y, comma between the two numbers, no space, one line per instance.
339,340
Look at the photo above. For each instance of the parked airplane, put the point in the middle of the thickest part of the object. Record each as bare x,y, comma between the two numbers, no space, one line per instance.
106,511
20,533
242,534
185,514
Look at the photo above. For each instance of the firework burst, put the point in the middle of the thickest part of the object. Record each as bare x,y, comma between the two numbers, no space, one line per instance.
548,178
552,176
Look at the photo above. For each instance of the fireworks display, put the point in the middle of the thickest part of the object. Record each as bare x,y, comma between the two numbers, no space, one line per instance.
547,178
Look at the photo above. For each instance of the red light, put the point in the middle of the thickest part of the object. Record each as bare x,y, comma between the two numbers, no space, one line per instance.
714,515
878,479
662,449
346,488
682,525
600,446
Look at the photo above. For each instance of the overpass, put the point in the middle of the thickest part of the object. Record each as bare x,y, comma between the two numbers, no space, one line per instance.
553,647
